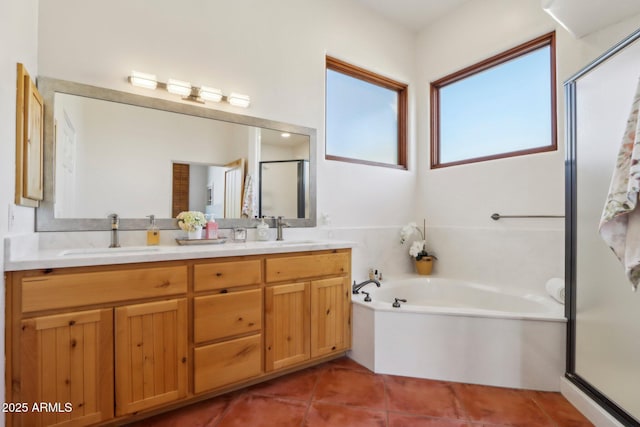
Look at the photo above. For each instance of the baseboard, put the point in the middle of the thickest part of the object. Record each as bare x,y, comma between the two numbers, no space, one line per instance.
597,415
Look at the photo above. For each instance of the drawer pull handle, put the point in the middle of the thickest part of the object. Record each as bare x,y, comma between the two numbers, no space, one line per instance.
72,322
164,284
239,319
333,348
218,274
184,360
224,291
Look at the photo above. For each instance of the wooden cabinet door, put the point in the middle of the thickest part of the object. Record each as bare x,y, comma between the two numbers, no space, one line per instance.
330,315
67,360
151,354
286,325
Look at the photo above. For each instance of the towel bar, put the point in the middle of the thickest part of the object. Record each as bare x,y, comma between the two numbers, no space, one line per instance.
497,216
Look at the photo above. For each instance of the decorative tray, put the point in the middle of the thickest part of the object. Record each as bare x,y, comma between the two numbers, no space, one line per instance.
187,242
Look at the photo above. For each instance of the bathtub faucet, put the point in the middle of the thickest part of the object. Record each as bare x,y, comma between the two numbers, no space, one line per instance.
356,288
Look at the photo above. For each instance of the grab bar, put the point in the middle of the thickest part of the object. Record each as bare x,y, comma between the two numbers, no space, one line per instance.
497,216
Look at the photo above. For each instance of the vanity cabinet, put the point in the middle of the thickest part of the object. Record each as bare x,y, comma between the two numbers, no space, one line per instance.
67,358
150,354
330,315
227,323
64,327
108,344
287,325
305,319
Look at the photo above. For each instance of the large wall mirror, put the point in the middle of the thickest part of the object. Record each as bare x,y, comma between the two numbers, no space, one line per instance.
115,152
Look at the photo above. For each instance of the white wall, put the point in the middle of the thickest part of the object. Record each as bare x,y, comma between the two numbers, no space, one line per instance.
274,51
279,61
458,201
18,30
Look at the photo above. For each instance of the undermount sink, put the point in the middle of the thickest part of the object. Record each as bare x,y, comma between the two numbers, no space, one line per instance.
111,251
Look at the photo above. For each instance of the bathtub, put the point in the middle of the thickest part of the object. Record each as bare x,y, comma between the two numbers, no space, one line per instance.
460,331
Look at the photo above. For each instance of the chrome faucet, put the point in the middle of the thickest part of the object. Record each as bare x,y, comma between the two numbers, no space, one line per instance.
279,224
115,221
356,288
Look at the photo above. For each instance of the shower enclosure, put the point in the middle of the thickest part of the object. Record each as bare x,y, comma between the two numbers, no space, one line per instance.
285,184
603,357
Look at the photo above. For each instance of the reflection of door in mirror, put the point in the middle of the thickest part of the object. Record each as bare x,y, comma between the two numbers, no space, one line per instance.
198,187
284,188
233,188
180,186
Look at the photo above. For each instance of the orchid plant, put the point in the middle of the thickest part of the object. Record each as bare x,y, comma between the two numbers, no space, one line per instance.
191,220
418,248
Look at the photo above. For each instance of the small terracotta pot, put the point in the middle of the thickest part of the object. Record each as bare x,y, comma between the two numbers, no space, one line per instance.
424,266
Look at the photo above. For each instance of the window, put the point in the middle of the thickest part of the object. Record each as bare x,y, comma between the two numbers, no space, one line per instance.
501,107
366,117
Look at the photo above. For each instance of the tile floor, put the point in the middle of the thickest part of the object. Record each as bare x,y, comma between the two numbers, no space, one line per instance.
343,393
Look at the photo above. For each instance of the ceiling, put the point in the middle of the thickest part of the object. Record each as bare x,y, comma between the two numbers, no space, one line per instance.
582,17
579,17
413,14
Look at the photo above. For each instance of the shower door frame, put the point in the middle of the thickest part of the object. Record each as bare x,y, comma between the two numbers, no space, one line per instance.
571,202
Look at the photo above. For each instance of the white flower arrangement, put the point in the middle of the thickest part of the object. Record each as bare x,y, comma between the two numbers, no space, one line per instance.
418,248
191,220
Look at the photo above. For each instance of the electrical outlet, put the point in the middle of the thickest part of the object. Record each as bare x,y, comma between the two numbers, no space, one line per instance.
11,218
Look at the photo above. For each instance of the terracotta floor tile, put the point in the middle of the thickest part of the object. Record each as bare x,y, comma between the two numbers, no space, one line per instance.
422,397
298,385
404,420
329,415
342,393
494,405
263,411
203,414
560,410
350,387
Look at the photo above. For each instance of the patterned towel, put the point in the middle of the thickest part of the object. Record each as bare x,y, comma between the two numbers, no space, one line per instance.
248,202
620,221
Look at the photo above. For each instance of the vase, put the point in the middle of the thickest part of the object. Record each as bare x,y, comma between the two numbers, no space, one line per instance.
195,234
424,266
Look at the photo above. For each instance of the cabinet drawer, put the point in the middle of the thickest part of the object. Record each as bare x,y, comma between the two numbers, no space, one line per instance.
227,362
224,315
73,290
221,275
299,267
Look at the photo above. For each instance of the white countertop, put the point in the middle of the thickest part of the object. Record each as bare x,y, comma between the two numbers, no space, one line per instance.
79,257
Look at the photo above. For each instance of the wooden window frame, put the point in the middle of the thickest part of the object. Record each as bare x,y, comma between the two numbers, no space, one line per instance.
340,66
501,58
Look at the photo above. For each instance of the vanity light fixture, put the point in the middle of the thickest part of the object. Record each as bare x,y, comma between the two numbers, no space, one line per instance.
179,87
188,92
239,100
147,81
210,94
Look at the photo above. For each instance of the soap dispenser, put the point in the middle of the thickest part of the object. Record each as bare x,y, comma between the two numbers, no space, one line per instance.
211,229
262,230
153,232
